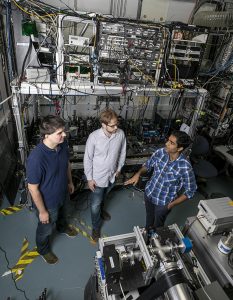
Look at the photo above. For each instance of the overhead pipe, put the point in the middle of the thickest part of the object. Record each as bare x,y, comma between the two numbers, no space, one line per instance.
213,19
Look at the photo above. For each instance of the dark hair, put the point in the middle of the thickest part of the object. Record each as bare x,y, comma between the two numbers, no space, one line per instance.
107,115
182,139
50,124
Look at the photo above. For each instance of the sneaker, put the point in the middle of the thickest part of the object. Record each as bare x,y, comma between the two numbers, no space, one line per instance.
105,215
70,231
50,258
95,234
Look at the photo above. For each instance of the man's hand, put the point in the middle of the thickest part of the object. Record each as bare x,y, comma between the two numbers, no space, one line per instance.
177,201
70,188
117,173
44,217
170,205
133,180
91,184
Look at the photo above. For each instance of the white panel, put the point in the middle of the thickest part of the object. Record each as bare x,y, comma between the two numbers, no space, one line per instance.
131,9
167,10
180,10
154,10
99,6
22,44
59,4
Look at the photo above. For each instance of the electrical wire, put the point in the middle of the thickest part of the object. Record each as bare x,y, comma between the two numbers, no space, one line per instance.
12,276
123,294
31,14
66,87
230,259
203,288
8,98
83,16
25,59
9,36
191,224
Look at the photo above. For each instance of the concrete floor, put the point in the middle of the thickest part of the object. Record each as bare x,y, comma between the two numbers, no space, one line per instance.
67,279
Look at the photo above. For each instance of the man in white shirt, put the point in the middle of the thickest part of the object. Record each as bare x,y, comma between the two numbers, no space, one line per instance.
104,157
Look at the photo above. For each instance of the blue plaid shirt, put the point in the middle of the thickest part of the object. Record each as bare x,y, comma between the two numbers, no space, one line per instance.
169,177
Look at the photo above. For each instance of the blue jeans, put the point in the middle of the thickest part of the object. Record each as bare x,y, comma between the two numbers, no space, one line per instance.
155,214
97,204
57,217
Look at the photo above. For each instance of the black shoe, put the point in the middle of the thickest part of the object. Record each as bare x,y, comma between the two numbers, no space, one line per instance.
95,234
105,215
50,258
70,231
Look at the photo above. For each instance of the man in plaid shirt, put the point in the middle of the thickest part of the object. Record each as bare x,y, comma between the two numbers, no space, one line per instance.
172,182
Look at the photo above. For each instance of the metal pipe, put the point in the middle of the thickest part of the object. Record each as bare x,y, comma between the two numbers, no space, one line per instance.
111,7
22,141
213,19
118,8
131,255
139,11
8,98
124,10
84,29
159,248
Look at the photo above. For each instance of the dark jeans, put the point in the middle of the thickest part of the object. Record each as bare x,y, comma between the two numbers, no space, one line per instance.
155,214
57,217
97,203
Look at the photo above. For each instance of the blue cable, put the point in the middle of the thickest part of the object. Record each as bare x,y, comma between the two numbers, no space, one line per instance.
223,68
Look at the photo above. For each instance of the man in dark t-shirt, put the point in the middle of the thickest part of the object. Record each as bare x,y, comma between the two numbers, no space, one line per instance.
49,182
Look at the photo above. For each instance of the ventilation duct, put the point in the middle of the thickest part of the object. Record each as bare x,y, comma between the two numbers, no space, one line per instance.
213,19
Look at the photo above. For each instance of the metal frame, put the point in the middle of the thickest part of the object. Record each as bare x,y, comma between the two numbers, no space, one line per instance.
60,43
89,89
136,237
22,141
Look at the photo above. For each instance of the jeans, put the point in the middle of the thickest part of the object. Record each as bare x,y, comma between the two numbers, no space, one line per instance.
155,214
97,204
57,217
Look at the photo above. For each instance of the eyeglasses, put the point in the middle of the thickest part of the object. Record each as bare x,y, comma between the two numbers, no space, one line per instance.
112,126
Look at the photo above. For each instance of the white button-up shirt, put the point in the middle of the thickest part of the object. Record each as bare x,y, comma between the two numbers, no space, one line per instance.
104,156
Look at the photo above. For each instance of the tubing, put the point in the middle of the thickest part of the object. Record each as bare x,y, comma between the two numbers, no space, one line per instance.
213,19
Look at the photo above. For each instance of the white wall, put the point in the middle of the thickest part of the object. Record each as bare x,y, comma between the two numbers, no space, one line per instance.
156,10
167,10
98,6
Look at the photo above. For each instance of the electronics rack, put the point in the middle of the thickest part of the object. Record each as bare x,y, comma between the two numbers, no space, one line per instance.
75,51
86,41
129,53
183,56
218,108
